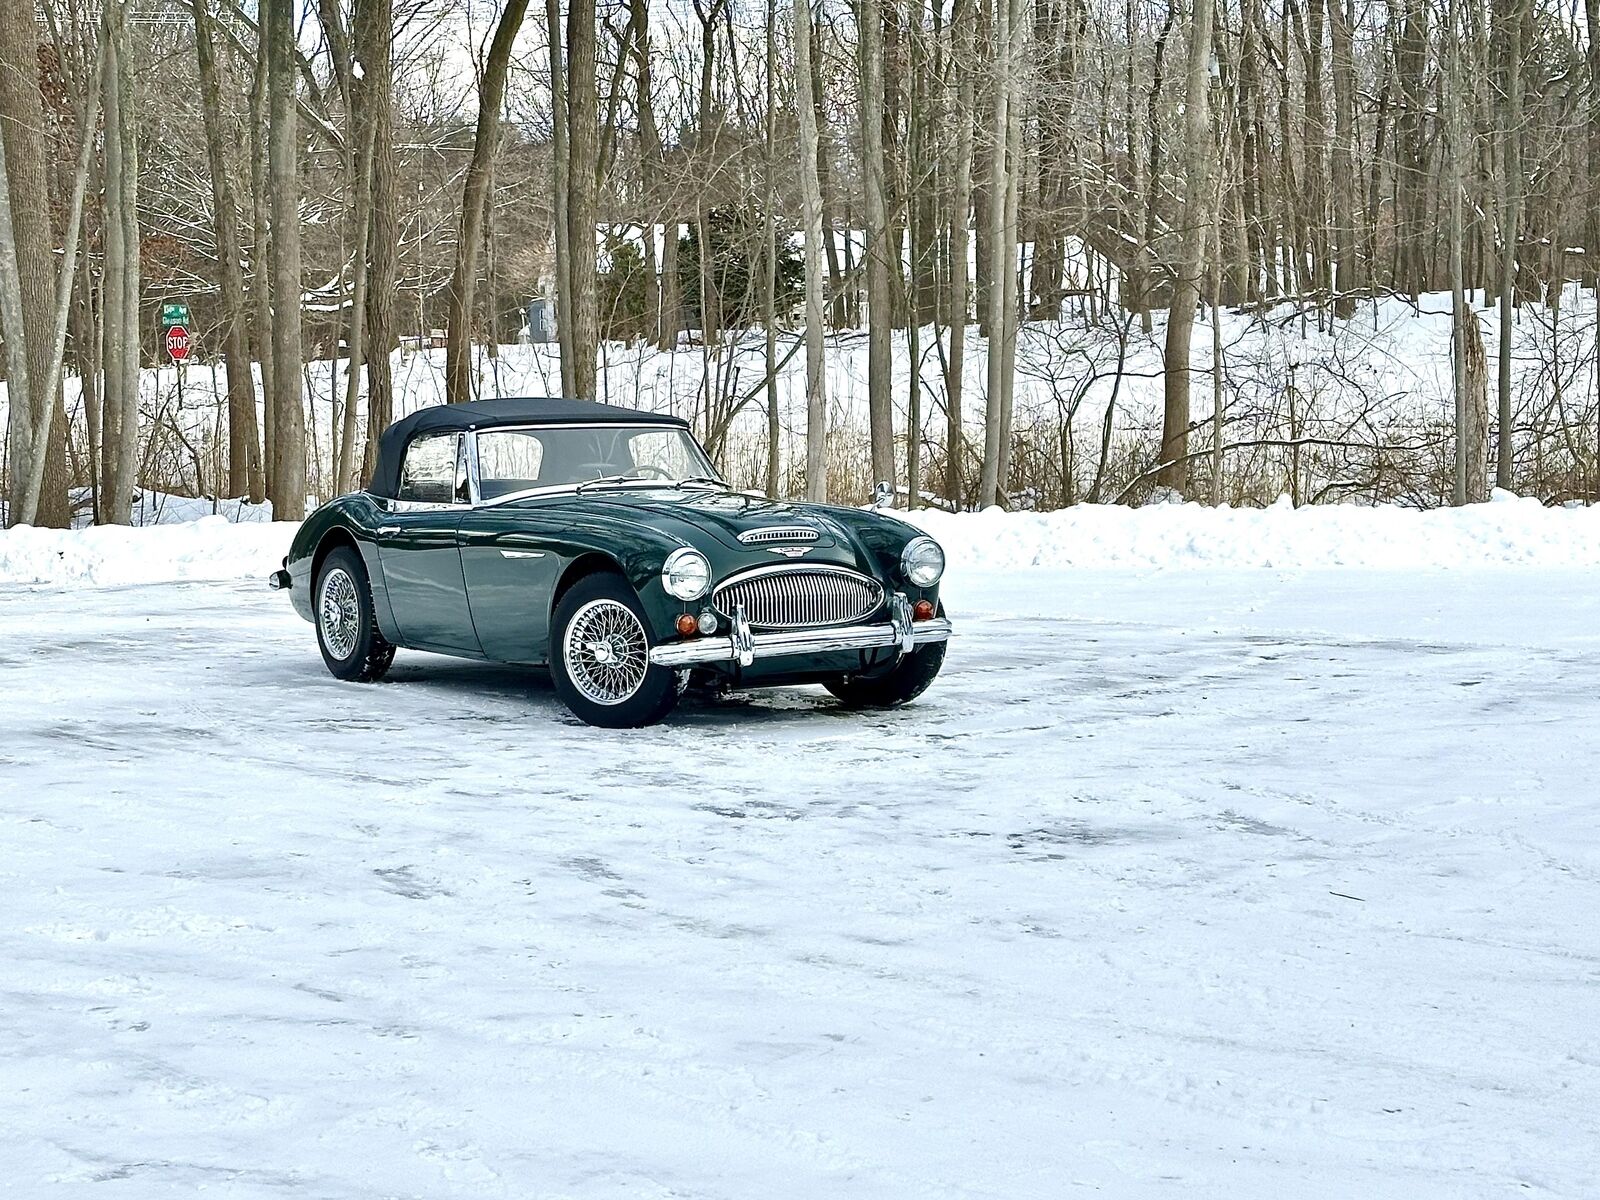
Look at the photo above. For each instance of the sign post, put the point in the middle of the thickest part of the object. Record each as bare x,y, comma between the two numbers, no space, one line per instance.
175,324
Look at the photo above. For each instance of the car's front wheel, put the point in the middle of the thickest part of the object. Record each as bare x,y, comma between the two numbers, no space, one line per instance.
347,628
903,682
600,657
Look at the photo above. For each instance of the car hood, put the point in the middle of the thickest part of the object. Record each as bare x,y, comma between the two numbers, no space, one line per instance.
713,520
726,515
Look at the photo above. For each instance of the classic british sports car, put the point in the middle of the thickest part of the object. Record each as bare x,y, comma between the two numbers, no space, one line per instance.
602,542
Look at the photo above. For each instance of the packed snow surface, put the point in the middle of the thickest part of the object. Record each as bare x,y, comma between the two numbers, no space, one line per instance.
1505,532
1199,883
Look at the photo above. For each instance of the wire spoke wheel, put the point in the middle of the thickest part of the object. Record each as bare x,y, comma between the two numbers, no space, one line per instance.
606,651
339,613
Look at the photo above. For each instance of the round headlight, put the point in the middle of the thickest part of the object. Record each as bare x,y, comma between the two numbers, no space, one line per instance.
686,574
922,561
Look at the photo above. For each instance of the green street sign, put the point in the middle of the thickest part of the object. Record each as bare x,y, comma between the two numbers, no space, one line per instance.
174,314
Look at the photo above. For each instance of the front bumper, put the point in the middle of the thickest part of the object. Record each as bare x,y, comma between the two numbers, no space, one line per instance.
744,646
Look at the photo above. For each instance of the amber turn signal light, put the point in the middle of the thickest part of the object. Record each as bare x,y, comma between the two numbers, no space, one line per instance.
687,624
922,610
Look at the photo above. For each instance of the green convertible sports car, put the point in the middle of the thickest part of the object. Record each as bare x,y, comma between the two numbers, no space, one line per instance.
602,542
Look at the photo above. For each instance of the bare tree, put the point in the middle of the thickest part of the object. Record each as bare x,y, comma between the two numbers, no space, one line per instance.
561,165
1191,256
1511,135
961,136
373,33
120,358
288,485
1003,251
244,446
881,251
583,185
811,202
22,127
474,198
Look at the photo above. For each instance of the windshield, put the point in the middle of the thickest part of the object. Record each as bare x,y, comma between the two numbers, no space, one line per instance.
523,460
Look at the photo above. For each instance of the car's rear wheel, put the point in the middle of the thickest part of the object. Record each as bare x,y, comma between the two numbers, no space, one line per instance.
899,684
600,657
347,628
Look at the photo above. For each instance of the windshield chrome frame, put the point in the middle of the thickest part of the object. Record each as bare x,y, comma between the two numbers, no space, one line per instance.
558,489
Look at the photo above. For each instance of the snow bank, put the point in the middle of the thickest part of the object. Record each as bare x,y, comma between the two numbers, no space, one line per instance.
210,548
1505,532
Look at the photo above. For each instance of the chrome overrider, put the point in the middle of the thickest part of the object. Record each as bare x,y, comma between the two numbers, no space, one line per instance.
744,646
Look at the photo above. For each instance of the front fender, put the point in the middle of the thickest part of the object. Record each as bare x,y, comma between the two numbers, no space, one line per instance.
351,519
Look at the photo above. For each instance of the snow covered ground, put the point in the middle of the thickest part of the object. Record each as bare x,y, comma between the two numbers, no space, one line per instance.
1199,882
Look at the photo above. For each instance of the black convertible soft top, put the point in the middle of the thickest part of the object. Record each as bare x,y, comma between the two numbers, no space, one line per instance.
487,414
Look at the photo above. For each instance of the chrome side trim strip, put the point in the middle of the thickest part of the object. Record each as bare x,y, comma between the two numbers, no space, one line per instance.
810,641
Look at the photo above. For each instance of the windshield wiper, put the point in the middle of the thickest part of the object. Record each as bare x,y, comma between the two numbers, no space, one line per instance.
607,481
626,480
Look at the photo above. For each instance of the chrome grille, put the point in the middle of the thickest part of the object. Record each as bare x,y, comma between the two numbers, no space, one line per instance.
796,598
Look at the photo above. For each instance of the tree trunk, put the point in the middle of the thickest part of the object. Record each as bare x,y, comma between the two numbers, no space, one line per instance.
19,408
1008,274
811,205
22,126
244,446
1510,226
288,492
1002,257
1343,165
560,167
880,317
963,23
583,145
373,33
364,131
122,276
32,482
261,267
474,198
661,323
1186,285
769,272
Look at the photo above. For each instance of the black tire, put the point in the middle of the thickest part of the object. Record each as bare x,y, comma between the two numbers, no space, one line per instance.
900,684
610,693
341,605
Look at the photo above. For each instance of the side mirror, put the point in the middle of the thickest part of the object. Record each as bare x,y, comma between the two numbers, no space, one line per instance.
883,494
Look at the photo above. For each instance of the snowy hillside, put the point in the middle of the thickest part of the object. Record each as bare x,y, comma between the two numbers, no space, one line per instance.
1368,398
1506,532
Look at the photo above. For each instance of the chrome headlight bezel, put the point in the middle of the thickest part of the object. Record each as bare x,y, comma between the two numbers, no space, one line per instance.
686,575
922,562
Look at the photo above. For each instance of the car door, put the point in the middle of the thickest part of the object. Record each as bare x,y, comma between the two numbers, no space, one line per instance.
511,572
508,554
419,548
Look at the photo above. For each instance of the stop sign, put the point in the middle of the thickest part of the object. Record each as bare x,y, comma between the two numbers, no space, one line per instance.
178,343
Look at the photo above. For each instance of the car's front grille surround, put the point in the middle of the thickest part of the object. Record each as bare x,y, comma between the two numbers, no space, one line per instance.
799,597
